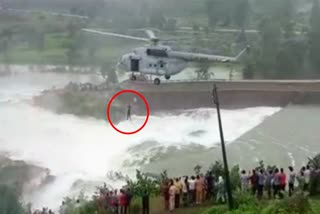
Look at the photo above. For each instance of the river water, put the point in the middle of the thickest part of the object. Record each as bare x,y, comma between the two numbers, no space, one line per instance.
76,149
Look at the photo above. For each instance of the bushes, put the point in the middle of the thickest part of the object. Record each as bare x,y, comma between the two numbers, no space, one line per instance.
135,207
248,204
297,204
9,201
217,210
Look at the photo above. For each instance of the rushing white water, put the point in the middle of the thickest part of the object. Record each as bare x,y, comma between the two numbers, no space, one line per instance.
74,148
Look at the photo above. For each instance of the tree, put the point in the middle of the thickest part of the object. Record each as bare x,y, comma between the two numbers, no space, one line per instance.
5,39
286,11
171,25
315,16
270,42
217,169
157,20
9,201
241,13
109,73
290,59
217,11
314,35
314,163
197,169
203,71
235,177
143,187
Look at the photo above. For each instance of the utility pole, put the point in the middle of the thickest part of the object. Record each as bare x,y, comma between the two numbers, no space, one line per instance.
224,155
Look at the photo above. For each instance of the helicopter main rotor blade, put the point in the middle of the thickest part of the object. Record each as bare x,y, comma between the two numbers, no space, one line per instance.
151,34
115,35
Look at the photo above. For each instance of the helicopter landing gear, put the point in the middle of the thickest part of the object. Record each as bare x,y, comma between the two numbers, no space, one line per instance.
167,77
156,81
133,77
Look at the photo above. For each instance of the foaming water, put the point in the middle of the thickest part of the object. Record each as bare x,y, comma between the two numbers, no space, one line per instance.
86,149
177,129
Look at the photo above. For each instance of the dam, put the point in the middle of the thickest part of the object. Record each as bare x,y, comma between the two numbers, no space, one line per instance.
232,94
179,95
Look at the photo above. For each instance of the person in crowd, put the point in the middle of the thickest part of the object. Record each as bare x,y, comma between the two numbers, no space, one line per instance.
172,195
63,208
244,178
145,202
301,180
269,183
178,185
307,175
123,201
261,183
114,204
283,180
185,190
276,183
210,185
254,182
101,201
199,190
220,190
129,198
292,179
165,193
204,188
192,190
107,201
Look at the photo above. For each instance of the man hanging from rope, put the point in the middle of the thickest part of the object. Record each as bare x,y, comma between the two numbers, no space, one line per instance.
129,112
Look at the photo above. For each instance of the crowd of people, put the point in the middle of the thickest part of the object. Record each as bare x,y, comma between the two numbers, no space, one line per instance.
44,210
114,201
195,190
275,182
191,191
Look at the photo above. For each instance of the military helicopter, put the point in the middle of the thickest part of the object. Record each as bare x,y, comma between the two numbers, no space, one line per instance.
157,59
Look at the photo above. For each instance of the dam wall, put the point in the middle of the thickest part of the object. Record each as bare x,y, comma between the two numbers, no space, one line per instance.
232,94
172,96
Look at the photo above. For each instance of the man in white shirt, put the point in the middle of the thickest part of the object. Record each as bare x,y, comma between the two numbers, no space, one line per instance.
307,174
192,189
291,180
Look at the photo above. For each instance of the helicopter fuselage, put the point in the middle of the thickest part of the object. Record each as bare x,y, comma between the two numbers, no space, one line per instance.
153,60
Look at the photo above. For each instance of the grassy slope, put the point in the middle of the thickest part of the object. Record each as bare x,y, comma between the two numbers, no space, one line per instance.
157,207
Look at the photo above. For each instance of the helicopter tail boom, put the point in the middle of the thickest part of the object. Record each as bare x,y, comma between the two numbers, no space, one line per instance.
187,56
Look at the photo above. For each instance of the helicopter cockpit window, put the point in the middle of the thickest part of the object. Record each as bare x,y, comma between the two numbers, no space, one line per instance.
157,53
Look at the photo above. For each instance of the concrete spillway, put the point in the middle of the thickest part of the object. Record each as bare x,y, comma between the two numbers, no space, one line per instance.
287,138
185,95
233,94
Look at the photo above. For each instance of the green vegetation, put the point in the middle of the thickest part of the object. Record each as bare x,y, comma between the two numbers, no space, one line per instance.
86,104
146,184
288,45
9,201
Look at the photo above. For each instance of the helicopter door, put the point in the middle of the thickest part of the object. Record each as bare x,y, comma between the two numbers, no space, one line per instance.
135,65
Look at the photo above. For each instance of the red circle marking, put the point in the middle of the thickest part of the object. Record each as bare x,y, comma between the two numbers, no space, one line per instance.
132,92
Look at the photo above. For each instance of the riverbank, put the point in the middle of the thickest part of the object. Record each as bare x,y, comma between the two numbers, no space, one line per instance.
9,69
22,176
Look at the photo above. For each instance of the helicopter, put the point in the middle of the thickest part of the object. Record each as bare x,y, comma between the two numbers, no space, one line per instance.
159,60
